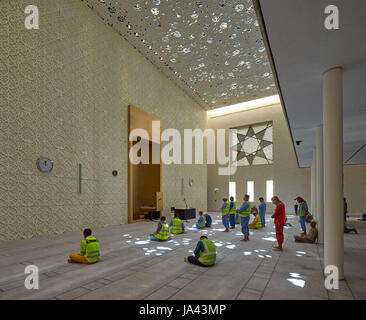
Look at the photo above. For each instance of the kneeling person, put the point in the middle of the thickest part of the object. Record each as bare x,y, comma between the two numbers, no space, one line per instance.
162,232
201,223
89,250
310,237
204,254
177,225
257,222
208,220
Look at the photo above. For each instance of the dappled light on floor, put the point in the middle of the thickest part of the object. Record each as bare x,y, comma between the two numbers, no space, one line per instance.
269,239
297,282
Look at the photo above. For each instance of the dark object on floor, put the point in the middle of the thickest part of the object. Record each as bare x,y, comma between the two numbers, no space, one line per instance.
363,217
152,215
185,214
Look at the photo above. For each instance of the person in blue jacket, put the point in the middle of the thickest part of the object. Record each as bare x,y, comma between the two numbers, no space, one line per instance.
262,211
244,214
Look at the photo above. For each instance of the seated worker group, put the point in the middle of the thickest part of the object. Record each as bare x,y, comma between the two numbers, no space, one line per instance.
89,250
162,231
204,254
310,237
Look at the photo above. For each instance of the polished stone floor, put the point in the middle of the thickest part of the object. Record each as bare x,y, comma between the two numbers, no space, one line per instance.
134,268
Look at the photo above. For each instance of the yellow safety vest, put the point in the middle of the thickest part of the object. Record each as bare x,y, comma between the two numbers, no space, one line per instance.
208,256
227,209
203,222
237,220
163,233
89,248
302,211
233,209
257,223
247,212
177,226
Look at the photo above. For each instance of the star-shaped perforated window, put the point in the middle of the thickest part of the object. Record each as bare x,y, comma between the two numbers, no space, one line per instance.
253,145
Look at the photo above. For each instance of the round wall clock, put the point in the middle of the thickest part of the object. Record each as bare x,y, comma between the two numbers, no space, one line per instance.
44,164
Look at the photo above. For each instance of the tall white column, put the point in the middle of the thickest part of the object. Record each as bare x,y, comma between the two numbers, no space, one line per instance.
313,185
320,183
333,169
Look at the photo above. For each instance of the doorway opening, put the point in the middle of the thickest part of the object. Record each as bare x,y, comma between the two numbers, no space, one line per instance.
145,197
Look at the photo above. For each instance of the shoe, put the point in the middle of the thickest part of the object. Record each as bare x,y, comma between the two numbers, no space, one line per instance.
277,249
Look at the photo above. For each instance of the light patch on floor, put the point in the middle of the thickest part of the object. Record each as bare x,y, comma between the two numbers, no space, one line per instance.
136,268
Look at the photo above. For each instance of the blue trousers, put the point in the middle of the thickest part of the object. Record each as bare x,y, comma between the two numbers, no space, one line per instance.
225,221
263,219
303,223
232,220
245,225
152,238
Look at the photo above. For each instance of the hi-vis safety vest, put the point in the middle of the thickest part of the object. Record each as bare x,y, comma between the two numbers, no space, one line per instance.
90,249
247,212
163,233
302,211
203,222
237,220
227,209
257,222
177,226
233,209
208,256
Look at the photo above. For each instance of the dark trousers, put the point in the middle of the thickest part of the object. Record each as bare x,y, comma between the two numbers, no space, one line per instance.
194,260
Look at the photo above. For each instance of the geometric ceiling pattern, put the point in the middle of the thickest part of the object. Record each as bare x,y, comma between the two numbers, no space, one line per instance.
252,145
213,50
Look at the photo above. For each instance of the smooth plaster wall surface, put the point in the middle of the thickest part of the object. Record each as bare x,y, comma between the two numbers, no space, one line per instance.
355,188
64,94
289,180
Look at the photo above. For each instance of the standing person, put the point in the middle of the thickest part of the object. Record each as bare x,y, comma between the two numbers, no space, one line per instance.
89,250
177,225
162,231
262,211
345,209
244,214
225,214
232,212
204,254
296,205
303,211
279,220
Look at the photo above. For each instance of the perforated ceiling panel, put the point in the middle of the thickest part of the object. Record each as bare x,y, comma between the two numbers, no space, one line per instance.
212,49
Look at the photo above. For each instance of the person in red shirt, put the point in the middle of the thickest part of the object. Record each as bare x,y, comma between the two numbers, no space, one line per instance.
279,220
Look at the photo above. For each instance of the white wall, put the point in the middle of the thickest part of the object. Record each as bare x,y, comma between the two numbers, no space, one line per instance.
355,188
289,180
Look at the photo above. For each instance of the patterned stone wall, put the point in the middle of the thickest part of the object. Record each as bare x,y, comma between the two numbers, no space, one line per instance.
64,93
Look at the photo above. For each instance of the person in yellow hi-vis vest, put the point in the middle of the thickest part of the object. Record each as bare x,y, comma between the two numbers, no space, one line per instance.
177,225
225,209
204,254
257,222
244,214
89,250
162,231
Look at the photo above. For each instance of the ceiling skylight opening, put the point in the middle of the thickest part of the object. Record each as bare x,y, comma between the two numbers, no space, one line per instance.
245,106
